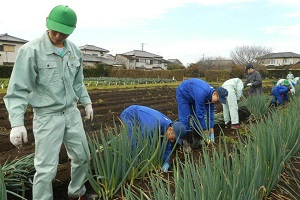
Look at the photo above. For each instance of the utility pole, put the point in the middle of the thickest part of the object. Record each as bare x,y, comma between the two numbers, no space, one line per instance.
142,44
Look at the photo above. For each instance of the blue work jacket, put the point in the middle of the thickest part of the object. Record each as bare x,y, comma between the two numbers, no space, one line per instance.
149,120
280,93
198,94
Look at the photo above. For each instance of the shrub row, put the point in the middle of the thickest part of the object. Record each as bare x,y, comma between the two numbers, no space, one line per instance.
210,75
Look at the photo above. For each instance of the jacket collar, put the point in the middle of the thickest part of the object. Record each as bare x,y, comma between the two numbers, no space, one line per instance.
49,47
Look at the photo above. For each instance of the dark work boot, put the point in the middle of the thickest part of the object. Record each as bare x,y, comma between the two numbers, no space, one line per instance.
235,126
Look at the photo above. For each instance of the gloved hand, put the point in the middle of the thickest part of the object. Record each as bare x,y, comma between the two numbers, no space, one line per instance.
249,84
89,112
206,137
165,167
18,135
212,137
292,91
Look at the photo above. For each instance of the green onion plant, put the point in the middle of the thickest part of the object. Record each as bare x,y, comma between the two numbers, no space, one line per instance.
18,175
118,159
3,195
258,105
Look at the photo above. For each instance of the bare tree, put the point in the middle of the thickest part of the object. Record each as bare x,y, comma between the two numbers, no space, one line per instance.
243,55
215,63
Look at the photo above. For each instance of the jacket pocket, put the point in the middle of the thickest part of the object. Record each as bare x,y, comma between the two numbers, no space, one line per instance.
48,73
73,67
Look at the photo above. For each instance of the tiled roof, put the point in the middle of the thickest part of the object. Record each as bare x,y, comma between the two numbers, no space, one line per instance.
140,53
175,61
91,58
92,48
280,55
8,38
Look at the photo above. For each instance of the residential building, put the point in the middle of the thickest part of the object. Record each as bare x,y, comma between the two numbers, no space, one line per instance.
93,50
92,55
91,60
9,46
175,61
138,59
279,60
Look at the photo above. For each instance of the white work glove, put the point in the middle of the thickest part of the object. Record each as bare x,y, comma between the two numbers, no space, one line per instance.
212,137
292,91
89,112
165,167
18,135
249,84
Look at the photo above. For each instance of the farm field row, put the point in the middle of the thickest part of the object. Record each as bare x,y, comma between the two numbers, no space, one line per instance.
107,104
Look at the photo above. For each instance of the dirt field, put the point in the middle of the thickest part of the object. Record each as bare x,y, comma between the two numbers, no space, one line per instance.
107,105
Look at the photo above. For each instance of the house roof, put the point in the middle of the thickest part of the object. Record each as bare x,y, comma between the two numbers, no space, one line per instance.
166,61
295,66
92,48
91,58
280,55
175,61
140,53
8,38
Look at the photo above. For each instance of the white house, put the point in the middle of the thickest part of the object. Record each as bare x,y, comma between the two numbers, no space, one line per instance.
175,61
138,59
9,46
93,55
279,60
93,50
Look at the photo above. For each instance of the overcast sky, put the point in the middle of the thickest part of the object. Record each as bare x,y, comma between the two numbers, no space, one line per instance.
175,29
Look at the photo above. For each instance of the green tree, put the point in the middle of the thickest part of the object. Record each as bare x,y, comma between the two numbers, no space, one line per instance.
174,66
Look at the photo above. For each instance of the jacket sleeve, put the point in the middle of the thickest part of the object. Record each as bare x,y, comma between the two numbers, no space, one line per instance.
247,81
200,110
257,79
239,89
283,90
210,115
168,150
21,83
79,87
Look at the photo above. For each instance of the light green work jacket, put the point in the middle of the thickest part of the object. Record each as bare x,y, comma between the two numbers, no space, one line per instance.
49,83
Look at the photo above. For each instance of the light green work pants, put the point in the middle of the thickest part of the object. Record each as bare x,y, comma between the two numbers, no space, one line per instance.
230,109
50,131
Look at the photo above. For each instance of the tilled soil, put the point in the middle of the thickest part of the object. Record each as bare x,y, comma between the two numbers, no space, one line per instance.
107,105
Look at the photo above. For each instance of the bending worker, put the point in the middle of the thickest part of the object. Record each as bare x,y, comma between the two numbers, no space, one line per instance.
253,80
48,75
234,87
280,93
281,82
150,120
196,98
290,76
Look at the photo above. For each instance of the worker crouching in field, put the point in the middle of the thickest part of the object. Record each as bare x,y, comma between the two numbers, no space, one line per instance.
150,120
280,93
234,87
196,98
292,84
